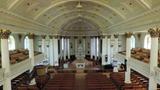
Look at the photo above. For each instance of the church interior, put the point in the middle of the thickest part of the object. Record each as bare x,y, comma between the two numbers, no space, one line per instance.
79,45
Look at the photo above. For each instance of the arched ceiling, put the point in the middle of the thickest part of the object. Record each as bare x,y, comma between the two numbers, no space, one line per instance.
55,14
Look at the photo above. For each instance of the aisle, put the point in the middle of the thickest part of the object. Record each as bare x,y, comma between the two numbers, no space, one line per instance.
80,81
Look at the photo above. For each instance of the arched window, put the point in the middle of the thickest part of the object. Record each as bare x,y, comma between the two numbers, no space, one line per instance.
11,43
147,42
133,41
26,43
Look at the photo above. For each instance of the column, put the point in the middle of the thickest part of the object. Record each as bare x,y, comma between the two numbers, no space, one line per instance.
76,46
104,49
51,50
116,44
55,42
64,50
109,49
128,55
61,46
4,34
31,50
91,48
68,40
43,45
84,46
95,47
154,33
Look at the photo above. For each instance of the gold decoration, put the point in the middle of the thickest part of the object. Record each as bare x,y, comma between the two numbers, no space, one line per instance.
4,34
116,35
108,36
139,35
50,37
30,35
56,36
128,34
43,36
154,32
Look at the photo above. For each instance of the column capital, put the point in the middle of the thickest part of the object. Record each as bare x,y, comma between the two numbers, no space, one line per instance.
75,37
116,35
103,36
4,34
50,36
84,37
43,36
30,35
108,36
56,36
128,34
154,32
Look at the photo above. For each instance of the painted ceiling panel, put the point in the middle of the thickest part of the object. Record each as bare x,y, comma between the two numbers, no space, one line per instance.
58,13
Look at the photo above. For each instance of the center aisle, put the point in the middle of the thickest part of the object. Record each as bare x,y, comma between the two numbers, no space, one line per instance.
80,81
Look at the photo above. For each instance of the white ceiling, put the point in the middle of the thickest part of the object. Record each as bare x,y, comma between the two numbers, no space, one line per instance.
102,15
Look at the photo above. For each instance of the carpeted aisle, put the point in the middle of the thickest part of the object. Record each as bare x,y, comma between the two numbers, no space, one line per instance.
80,81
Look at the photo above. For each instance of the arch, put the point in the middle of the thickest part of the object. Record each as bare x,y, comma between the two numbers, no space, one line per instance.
93,1
11,43
82,11
26,42
147,42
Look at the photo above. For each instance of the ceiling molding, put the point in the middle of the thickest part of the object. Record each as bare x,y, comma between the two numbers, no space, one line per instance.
85,11
93,1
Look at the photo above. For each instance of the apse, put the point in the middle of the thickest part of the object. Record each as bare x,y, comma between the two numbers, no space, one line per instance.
80,27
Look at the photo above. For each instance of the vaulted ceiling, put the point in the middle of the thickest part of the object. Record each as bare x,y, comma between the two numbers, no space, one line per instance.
55,16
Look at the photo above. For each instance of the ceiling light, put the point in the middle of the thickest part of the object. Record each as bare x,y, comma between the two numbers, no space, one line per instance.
79,5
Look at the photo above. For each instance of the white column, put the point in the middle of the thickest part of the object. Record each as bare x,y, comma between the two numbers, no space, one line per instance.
104,50
84,45
76,42
43,45
55,42
128,55
109,49
5,59
91,48
68,40
95,48
153,58
51,50
61,46
64,45
116,44
31,50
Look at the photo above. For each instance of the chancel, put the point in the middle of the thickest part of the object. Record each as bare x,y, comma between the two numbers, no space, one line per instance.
79,45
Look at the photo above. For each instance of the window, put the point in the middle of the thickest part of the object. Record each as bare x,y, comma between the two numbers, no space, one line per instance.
26,43
11,43
133,42
147,42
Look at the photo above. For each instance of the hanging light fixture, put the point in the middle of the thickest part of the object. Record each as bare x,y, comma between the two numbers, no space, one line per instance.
79,5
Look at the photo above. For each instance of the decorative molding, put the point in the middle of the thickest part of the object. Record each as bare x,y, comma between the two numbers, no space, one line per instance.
4,34
30,35
154,32
116,35
50,36
43,36
109,36
139,35
128,34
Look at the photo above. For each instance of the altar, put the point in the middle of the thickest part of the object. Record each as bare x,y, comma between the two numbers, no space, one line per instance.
80,65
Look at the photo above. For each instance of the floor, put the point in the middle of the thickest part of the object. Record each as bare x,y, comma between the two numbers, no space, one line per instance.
80,81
